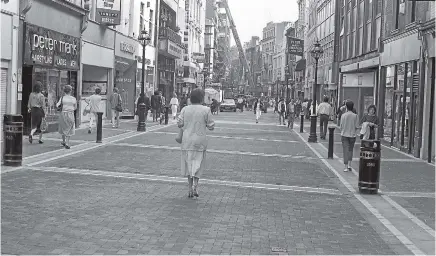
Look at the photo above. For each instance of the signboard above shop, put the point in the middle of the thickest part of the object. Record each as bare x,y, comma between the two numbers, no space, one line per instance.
295,46
49,48
108,12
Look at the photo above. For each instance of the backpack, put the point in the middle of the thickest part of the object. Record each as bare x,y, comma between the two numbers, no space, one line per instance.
282,106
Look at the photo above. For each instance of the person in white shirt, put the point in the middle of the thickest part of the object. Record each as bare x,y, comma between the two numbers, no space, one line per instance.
174,105
94,107
258,109
324,111
282,111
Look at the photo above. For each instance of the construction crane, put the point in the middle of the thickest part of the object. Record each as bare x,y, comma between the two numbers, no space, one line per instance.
238,43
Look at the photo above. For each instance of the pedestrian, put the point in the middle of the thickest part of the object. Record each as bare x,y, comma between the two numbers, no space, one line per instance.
155,105
349,127
162,107
35,107
282,111
94,107
174,105
67,104
194,120
258,109
291,114
116,107
324,112
369,122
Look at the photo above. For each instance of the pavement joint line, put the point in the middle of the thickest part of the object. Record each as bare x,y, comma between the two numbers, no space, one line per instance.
401,209
73,152
183,180
408,194
236,137
214,151
400,236
247,129
246,123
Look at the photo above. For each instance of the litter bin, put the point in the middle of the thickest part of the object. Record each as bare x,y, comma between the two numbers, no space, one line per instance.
369,166
13,140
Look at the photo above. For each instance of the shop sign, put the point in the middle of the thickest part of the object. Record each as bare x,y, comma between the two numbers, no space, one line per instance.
126,47
108,12
198,57
295,46
50,48
125,81
175,50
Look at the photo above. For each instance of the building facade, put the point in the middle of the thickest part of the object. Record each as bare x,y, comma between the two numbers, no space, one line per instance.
210,39
9,72
50,52
254,58
223,59
405,97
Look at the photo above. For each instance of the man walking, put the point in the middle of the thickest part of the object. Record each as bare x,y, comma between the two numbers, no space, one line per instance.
324,111
155,105
291,114
94,107
282,110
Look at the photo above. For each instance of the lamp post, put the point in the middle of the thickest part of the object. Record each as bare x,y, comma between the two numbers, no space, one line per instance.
316,53
145,39
287,82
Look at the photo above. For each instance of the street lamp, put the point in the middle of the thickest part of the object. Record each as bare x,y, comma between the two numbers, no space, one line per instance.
287,82
316,53
145,39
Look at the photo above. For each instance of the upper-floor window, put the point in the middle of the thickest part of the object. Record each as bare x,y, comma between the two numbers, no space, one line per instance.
142,8
151,26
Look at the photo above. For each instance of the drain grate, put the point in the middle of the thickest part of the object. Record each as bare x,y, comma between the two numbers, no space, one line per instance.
278,249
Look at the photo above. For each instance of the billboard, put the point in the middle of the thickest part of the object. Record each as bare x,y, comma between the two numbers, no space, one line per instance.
295,46
108,12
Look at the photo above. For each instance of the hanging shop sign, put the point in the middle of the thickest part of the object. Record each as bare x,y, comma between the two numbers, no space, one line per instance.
295,46
49,48
198,57
108,12
175,50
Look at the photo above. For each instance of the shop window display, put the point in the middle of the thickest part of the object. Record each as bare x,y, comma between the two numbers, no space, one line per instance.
389,95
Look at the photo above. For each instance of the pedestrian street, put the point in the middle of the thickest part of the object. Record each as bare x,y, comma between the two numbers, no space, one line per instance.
265,191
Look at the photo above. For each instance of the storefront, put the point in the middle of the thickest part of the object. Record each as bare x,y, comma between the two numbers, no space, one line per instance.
52,58
399,106
125,72
97,66
358,87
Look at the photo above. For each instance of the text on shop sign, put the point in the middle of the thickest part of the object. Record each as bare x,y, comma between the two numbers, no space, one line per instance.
125,47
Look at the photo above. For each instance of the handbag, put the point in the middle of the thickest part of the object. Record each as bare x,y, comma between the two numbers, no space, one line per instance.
179,136
61,106
43,126
118,107
87,110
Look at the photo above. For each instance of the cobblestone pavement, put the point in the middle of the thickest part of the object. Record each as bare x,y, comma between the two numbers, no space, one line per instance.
264,191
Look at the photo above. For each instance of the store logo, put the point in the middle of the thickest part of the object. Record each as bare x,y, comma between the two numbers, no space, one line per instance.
125,47
51,44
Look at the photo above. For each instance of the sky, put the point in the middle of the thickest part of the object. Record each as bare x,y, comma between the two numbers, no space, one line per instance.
251,16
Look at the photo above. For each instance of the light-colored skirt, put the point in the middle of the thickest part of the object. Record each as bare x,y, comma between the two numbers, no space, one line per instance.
174,110
258,113
67,123
193,163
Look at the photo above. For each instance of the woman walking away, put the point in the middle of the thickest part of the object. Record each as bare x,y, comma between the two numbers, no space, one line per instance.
369,122
258,109
193,120
174,105
35,107
116,107
94,107
349,127
66,118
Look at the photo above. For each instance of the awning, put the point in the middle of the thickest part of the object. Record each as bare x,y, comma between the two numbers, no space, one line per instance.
301,65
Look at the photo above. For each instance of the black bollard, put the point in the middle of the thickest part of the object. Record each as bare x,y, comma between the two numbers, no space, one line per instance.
13,140
142,117
167,109
301,123
99,127
331,141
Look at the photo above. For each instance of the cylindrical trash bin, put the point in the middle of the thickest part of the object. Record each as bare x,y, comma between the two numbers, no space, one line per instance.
369,166
13,140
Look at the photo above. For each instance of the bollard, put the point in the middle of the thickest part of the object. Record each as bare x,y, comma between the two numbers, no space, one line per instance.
99,127
301,123
167,109
331,141
369,166
142,117
13,140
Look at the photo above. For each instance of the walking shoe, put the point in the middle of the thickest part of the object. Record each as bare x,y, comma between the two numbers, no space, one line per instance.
89,131
346,170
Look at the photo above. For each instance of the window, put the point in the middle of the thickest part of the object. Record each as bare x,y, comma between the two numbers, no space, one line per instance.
141,24
361,13
377,31
148,4
369,10
151,26
353,45
347,52
348,24
360,41
368,37
354,19
342,48
142,8
413,11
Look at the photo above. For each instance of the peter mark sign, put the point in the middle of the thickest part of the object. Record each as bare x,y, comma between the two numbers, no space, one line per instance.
295,46
50,48
109,12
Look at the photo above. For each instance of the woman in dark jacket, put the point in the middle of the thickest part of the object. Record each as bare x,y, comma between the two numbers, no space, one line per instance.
35,107
372,119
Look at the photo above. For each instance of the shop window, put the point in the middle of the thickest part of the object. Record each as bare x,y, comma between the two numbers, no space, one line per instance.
389,100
